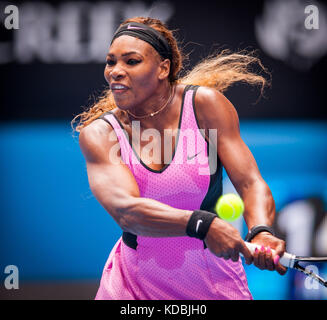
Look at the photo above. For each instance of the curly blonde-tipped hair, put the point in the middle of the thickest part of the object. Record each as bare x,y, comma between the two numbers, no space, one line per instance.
217,71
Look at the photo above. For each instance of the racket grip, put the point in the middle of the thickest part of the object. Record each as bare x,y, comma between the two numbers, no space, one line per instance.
287,260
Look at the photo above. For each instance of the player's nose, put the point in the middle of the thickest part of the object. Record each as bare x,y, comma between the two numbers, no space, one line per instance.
117,72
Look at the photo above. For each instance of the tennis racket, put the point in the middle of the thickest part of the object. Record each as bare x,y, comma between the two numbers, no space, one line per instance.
292,261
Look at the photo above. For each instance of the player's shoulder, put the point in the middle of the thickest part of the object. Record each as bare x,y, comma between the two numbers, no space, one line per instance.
212,107
94,139
211,96
95,132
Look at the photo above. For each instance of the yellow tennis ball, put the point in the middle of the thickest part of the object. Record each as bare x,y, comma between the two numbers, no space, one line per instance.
229,207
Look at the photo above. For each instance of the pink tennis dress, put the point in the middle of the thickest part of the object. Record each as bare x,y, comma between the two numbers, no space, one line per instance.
174,268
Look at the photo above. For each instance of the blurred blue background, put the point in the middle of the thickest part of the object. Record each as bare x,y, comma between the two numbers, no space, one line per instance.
52,227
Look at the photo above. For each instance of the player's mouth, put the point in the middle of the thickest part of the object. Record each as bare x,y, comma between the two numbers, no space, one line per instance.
118,88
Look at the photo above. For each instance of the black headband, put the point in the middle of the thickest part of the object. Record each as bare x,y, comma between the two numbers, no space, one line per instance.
147,34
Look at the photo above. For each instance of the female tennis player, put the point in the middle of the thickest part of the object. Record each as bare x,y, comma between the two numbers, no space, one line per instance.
160,189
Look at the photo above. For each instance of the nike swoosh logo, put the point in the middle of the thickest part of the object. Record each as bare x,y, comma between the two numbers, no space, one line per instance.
131,27
191,157
198,225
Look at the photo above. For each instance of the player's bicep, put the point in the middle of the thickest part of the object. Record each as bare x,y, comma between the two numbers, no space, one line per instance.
110,179
111,184
238,161
235,155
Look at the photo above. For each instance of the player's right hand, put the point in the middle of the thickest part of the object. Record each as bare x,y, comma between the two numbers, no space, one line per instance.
225,241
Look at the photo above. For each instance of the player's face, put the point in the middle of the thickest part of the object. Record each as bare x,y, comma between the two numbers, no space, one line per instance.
132,71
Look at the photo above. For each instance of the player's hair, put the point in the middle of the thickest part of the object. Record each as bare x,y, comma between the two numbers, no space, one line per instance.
218,71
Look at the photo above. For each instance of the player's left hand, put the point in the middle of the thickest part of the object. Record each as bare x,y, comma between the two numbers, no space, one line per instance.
264,258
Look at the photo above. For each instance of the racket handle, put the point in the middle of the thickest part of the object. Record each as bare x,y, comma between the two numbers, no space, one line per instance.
287,260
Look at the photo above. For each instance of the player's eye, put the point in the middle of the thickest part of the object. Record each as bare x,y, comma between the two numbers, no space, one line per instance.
110,62
133,62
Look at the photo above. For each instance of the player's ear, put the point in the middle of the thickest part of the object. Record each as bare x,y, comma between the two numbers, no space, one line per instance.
164,69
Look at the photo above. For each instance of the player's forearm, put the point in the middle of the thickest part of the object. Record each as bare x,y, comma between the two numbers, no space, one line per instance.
259,204
148,217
